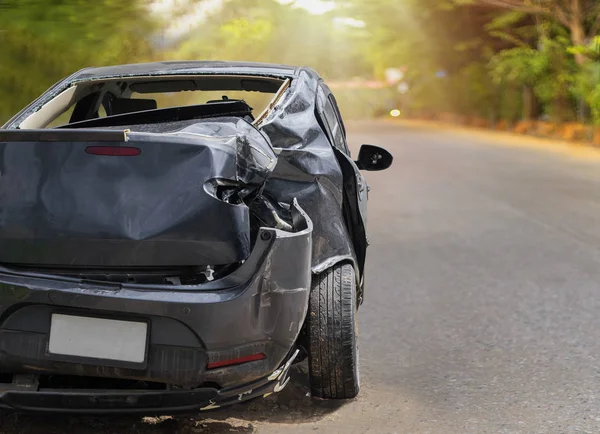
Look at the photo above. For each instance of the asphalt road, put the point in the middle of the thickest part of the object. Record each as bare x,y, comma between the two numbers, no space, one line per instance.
482,312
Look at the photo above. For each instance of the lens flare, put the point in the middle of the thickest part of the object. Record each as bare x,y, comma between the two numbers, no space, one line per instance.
395,113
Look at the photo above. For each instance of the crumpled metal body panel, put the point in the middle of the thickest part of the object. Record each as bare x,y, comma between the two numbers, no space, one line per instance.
61,205
308,170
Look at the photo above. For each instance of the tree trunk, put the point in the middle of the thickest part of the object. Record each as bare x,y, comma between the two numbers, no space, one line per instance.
576,26
558,111
528,103
578,37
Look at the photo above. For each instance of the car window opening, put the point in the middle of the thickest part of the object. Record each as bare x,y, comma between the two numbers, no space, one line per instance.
88,101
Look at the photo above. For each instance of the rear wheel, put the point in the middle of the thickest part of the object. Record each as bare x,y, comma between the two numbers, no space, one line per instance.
332,334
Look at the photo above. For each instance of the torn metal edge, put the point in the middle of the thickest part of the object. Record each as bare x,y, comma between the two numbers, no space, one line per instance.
263,115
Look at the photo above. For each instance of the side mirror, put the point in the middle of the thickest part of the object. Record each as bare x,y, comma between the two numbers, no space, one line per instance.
373,158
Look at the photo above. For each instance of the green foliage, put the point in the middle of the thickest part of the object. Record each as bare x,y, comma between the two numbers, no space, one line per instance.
586,83
593,100
41,42
521,65
591,51
510,19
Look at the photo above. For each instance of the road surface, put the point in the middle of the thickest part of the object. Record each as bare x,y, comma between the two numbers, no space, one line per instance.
482,313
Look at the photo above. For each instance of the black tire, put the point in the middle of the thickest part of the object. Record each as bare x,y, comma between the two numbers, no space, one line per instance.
332,334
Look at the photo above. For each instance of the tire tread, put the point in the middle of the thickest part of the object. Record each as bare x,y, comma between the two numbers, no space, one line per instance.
332,335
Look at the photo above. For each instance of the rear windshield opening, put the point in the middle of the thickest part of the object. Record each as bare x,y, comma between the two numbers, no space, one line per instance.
258,101
90,100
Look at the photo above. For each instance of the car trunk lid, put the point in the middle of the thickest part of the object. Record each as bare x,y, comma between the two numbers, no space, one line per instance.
108,198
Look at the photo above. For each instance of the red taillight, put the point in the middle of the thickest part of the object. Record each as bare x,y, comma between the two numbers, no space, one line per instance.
222,363
113,151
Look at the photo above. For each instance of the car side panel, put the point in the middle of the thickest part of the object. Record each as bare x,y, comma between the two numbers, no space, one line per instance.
309,170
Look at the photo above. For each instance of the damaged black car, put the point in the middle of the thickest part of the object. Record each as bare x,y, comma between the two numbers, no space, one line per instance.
166,247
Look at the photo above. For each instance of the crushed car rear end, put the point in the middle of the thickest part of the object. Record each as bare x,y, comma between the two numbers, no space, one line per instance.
144,269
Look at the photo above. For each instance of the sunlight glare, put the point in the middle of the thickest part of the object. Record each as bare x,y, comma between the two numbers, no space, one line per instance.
349,22
316,7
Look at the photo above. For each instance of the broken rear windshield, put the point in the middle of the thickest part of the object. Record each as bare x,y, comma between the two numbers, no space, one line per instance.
89,100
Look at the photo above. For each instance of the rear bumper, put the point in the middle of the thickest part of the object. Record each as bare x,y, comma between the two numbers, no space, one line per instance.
143,402
259,308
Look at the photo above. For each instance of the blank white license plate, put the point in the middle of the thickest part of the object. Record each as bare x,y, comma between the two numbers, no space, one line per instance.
98,338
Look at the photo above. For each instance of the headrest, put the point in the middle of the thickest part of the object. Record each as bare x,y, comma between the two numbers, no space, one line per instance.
125,105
